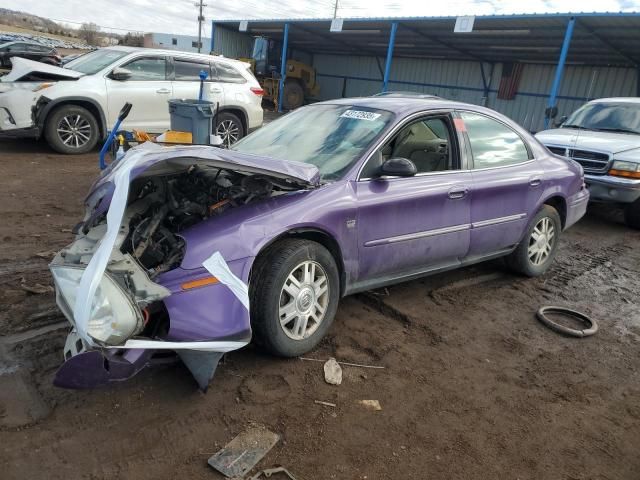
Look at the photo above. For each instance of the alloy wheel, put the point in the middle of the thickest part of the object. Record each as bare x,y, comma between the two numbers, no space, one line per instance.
304,299
541,241
229,131
74,130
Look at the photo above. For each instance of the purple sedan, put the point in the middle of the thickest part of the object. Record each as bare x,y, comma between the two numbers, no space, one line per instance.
195,250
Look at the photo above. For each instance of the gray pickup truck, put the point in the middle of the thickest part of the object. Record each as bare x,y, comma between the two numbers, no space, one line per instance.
604,137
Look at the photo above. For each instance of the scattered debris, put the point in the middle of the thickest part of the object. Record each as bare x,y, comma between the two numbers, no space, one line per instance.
244,452
36,289
272,471
66,230
347,364
370,404
328,404
48,254
332,372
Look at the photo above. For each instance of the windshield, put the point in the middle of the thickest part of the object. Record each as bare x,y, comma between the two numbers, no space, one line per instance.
331,137
601,116
93,62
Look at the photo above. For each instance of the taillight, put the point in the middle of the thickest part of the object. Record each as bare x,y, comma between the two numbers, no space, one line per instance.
257,90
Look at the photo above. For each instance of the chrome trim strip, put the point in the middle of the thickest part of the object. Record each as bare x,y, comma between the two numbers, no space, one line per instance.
496,221
414,236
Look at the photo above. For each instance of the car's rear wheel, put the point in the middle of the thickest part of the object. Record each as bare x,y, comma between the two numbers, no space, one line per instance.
632,214
229,128
71,129
294,296
535,253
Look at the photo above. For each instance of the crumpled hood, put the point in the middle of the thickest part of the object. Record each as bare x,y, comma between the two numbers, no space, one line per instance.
296,173
21,67
608,142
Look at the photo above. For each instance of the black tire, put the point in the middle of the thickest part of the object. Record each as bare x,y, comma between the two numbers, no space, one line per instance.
66,117
230,128
273,268
520,260
632,214
293,95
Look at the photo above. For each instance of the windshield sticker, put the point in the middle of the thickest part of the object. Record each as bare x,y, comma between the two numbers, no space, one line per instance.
360,115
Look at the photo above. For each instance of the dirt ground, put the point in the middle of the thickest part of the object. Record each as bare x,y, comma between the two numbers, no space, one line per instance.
474,387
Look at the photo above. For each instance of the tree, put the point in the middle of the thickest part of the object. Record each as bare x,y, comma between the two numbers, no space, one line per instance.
89,33
132,40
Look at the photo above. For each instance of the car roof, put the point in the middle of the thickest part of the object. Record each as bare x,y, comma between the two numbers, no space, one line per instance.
617,100
173,52
406,105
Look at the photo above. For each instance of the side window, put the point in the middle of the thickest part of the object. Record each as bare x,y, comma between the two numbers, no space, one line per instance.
147,68
228,74
189,70
493,144
427,142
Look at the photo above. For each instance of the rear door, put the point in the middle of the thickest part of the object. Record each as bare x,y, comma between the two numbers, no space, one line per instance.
148,89
507,183
186,79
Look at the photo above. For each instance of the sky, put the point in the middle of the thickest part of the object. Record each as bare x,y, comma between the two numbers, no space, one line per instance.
180,16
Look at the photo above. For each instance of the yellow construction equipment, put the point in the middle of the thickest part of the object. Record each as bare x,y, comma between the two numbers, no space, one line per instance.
300,82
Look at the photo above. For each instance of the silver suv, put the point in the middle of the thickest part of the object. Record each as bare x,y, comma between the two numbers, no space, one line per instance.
604,137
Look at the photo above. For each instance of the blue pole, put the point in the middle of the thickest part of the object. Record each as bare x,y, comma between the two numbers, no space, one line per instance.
560,69
283,67
387,65
213,36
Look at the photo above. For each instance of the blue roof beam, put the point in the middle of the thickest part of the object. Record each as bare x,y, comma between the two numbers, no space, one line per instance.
557,81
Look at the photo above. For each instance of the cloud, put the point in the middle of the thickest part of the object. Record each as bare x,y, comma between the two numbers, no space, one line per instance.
180,16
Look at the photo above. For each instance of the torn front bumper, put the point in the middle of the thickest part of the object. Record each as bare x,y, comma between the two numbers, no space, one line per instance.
16,119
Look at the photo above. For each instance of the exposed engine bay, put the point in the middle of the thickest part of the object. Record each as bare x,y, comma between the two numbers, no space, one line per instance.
161,206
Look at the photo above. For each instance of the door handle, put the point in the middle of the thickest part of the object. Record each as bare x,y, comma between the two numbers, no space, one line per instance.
458,192
535,181
163,90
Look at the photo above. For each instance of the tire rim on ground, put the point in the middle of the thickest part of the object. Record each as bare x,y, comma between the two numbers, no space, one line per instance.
228,131
591,325
74,130
541,241
304,299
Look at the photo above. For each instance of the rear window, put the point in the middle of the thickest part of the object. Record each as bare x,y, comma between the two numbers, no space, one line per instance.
228,74
189,70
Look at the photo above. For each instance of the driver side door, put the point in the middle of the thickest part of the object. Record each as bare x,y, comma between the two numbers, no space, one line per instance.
148,89
415,224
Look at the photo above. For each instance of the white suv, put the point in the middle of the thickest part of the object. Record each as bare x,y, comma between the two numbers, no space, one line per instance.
74,107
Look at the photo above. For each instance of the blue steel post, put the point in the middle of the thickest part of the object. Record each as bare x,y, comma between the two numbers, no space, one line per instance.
560,69
283,68
213,36
387,66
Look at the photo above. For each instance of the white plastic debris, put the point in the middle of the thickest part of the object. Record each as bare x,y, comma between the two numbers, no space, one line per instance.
332,372
217,267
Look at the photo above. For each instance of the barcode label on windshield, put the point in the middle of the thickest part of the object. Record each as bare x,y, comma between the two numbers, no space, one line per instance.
360,115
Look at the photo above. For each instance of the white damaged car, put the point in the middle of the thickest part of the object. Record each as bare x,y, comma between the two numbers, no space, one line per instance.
75,106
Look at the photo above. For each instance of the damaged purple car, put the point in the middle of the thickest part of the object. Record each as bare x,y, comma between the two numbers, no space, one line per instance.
197,250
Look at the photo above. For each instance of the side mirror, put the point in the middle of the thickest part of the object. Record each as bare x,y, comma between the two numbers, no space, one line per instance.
120,74
560,121
398,167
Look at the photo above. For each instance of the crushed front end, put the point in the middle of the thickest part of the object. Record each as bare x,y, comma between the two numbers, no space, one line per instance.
123,283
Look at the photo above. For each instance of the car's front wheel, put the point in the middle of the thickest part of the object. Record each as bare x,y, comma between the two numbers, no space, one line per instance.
535,253
71,129
294,296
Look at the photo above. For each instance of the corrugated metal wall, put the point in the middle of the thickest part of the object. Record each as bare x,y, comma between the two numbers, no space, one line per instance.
353,76
231,44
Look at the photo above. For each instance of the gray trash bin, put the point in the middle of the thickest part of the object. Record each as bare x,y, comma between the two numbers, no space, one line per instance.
193,116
